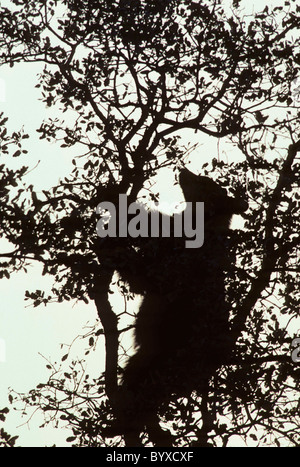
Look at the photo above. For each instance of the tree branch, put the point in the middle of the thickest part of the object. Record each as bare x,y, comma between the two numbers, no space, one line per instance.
109,322
269,262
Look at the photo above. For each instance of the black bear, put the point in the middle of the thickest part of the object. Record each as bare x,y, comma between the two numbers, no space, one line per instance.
182,329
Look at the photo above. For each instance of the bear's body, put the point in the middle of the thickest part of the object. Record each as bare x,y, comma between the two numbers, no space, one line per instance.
182,330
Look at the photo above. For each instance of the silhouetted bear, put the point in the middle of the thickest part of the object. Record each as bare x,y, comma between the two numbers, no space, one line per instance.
182,330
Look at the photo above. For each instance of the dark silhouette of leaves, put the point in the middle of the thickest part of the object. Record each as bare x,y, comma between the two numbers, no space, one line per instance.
132,77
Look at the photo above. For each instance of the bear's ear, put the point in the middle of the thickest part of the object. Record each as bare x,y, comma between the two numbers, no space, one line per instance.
239,205
189,183
199,188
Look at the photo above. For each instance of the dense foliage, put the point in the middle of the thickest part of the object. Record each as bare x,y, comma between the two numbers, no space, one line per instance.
128,78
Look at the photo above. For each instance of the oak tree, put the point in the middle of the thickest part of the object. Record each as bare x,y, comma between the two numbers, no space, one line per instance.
132,77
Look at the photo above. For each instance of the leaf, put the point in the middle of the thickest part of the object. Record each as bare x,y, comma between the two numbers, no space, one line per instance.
91,341
13,440
70,439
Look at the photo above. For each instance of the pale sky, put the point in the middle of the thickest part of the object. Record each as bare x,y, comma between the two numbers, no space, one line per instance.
27,332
